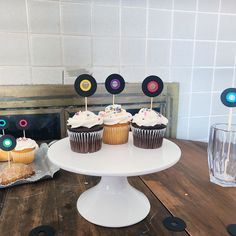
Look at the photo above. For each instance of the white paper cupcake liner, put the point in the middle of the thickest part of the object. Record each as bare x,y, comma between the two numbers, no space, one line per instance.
85,142
148,139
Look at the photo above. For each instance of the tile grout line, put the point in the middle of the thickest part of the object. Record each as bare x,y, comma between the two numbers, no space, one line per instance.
214,64
125,37
29,41
192,69
151,8
92,36
120,44
140,7
171,40
234,72
146,38
197,117
107,66
61,43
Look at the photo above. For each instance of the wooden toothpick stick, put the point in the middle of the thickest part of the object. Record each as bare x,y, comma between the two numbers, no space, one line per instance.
86,103
151,101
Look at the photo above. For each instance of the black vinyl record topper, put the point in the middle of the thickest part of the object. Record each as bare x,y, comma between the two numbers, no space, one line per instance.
115,84
232,229
85,85
228,97
7,142
44,230
152,86
23,124
4,122
174,224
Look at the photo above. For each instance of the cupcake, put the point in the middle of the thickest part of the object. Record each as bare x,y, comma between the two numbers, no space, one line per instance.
3,155
24,151
148,128
85,132
116,124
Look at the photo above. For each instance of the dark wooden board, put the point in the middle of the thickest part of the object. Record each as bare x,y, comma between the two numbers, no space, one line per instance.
3,194
186,191
54,202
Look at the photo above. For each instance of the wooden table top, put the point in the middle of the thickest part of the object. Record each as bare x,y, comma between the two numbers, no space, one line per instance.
183,190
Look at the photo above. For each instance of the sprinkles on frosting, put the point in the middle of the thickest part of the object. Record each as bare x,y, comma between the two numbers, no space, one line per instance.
114,114
149,117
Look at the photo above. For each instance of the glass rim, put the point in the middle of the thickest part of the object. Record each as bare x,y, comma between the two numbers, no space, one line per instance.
225,130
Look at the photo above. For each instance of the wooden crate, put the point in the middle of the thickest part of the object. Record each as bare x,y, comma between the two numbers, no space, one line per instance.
39,99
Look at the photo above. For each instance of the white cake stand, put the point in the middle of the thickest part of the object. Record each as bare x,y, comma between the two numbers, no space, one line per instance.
113,202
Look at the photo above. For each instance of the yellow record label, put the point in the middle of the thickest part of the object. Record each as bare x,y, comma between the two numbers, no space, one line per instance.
85,85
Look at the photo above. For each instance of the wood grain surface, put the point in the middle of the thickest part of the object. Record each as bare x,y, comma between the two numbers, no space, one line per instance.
53,202
186,192
183,191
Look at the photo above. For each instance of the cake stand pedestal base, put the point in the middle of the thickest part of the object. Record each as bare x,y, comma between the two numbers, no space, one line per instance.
113,202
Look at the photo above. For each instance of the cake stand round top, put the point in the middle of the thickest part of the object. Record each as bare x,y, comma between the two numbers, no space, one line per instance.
115,160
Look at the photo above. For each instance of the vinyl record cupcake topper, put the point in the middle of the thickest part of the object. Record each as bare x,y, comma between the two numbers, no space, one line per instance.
23,124
228,98
4,123
114,84
7,143
152,86
85,85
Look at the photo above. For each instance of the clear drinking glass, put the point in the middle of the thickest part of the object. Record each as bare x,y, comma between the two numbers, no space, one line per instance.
222,155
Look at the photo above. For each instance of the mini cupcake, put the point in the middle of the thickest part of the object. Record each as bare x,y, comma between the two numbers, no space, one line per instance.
24,151
148,128
85,132
3,155
116,124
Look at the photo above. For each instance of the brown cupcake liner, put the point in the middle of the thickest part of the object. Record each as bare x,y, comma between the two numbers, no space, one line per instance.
116,134
148,139
85,142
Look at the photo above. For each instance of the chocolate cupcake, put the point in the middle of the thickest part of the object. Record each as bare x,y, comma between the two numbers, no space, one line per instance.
85,132
148,128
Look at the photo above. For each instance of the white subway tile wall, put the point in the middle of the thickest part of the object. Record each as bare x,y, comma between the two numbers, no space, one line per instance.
192,42
206,26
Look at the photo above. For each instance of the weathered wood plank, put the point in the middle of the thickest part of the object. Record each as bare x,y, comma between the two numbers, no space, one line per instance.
19,91
28,206
74,101
3,194
26,98
54,202
64,95
152,225
186,191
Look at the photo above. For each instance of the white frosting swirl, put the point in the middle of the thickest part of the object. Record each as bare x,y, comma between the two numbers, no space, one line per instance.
149,117
25,143
84,119
114,114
